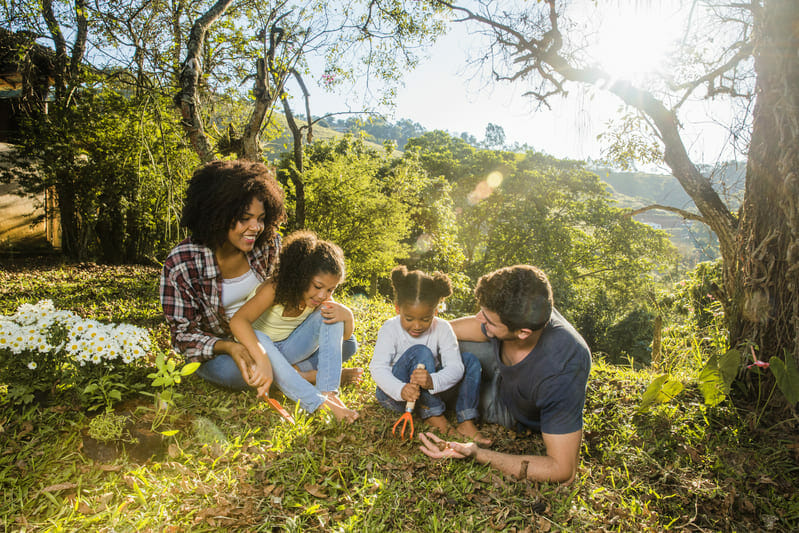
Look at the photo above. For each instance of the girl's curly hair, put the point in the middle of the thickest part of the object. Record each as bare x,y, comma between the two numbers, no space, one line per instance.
415,286
219,194
521,295
304,255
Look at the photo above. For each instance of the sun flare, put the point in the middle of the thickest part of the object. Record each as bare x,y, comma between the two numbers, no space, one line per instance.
634,41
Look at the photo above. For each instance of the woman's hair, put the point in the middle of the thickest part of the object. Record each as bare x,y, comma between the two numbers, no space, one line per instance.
304,255
415,286
521,295
219,194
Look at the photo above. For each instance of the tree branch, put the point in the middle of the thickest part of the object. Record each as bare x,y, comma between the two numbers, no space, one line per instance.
745,50
79,46
187,99
683,213
547,61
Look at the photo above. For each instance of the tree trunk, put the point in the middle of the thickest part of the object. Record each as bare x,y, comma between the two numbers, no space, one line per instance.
70,226
767,298
187,100
295,173
251,146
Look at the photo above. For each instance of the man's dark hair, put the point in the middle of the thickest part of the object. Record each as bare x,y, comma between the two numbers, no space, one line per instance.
219,194
521,295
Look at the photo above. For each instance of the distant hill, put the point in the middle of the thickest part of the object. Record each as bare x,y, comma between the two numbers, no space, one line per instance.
634,190
329,129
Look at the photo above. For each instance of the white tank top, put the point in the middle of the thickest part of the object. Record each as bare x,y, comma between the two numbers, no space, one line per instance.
236,290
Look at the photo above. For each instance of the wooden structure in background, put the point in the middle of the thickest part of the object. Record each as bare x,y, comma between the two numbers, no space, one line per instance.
26,223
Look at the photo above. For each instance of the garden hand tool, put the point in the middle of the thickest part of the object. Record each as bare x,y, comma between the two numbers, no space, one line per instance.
407,417
274,404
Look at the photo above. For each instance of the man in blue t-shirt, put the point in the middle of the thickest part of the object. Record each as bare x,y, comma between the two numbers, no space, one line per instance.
537,369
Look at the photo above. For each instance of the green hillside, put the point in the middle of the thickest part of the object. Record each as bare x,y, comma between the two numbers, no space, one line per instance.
280,141
634,190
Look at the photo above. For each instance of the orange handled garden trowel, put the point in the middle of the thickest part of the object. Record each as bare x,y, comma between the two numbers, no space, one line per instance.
407,417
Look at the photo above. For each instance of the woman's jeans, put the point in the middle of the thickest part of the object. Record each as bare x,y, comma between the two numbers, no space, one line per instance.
465,394
313,345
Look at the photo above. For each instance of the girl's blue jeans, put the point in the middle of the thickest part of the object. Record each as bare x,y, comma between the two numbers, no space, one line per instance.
464,395
492,408
313,345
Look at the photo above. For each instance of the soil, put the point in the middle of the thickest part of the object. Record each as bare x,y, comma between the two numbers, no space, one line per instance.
138,442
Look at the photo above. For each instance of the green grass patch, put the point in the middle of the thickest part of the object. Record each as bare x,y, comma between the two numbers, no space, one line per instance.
234,465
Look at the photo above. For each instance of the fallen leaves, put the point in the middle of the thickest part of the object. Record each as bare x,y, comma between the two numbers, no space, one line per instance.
59,486
315,490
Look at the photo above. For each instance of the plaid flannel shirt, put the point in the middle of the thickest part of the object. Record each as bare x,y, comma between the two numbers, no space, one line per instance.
191,295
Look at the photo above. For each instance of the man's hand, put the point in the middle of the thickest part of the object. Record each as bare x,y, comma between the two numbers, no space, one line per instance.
421,377
440,449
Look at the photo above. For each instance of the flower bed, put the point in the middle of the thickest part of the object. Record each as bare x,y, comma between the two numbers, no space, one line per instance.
44,350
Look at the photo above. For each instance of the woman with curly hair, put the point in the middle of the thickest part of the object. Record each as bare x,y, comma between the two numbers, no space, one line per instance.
292,319
233,210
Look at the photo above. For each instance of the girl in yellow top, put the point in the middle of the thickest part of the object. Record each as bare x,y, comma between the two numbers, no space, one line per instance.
293,320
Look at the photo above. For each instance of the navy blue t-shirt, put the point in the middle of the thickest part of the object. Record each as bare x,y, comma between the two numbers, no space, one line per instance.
545,391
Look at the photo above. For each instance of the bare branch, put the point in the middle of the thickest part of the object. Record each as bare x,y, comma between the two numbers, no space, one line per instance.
744,51
683,213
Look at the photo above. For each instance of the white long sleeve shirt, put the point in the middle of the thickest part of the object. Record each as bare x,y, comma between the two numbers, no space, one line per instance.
393,341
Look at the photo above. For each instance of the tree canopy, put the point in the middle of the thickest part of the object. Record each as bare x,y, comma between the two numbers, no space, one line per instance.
746,52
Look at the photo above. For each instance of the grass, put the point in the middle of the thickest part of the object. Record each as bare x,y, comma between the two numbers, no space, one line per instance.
234,465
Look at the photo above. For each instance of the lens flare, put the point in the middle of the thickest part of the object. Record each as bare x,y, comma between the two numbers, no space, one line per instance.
484,189
424,243
494,179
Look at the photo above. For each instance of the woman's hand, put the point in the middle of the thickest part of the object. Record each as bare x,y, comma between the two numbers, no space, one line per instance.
410,392
262,375
241,356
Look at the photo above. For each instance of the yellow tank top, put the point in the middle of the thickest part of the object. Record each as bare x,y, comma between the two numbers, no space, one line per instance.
276,326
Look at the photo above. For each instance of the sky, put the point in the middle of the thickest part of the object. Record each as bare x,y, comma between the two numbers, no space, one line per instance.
443,92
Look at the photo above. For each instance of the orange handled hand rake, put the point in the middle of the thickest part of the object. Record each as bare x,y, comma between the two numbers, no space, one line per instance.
407,417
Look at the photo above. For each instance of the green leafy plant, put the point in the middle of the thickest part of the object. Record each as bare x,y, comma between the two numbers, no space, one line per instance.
787,375
663,389
717,376
104,391
108,427
165,377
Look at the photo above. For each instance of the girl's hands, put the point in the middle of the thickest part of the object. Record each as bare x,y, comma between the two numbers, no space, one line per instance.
262,375
421,377
333,312
410,392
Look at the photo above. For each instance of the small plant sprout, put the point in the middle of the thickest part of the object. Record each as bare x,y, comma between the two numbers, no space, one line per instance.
166,376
